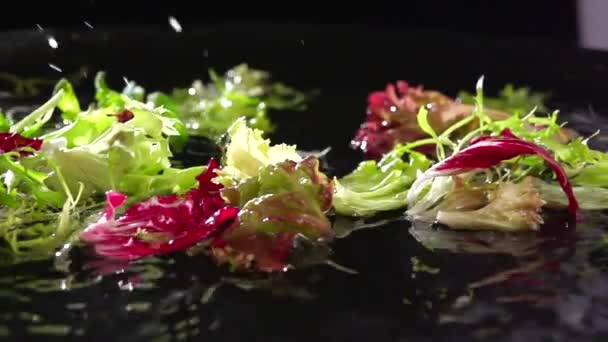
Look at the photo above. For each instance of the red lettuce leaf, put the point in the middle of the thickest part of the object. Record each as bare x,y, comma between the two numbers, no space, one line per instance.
161,224
285,201
487,151
15,142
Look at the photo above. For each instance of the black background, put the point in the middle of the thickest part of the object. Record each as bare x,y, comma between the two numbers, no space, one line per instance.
554,20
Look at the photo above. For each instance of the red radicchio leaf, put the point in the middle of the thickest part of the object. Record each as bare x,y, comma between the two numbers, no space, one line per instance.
15,142
486,151
161,224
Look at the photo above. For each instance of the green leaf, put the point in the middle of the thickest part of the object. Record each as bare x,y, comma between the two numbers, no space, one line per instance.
29,126
589,197
105,96
127,158
68,103
208,110
423,122
516,101
248,152
5,123
374,187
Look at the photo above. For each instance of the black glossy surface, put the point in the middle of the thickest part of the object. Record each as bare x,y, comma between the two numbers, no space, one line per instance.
561,285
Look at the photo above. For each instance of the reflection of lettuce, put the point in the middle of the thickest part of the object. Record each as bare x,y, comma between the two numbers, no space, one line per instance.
283,201
248,152
373,187
209,109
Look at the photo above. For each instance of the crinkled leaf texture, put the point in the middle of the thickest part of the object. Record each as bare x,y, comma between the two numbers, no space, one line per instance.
378,186
128,152
161,224
511,207
391,117
248,152
486,152
284,202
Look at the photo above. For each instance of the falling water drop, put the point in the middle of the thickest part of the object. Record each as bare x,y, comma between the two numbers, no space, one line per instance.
175,24
88,24
54,67
53,42
39,27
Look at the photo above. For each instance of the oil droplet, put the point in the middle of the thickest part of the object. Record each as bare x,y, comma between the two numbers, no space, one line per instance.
54,67
88,24
175,24
53,42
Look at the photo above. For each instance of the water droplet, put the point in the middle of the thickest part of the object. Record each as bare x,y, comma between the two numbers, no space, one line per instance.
175,24
53,42
40,28
302,42
191,91
225,102
54,67
88,24
126,286
205,53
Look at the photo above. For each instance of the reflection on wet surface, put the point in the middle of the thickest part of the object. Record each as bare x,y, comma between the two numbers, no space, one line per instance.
523,290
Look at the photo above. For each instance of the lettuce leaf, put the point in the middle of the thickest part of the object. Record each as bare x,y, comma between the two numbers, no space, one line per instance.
511,207
5,123
589,197
379,186
160,224
50,176
209,109
284,201
101,153
513,100
248,152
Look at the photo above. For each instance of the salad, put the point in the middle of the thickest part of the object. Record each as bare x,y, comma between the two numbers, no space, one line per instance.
103,176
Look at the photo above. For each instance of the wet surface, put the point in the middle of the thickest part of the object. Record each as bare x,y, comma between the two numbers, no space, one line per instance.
412,282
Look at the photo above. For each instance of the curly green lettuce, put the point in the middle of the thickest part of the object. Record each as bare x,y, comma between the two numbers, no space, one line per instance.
379,186
117,143
247,152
